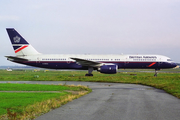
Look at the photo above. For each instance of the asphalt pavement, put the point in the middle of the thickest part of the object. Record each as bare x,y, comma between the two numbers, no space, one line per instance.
115,101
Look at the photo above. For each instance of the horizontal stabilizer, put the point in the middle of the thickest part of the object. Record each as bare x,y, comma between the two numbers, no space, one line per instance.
14,58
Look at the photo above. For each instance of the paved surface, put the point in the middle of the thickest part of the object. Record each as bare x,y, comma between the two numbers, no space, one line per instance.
114,101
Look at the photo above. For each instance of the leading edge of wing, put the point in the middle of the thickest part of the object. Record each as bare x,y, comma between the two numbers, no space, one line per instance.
89,63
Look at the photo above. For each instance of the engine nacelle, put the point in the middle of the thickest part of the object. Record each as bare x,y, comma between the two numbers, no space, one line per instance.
108,69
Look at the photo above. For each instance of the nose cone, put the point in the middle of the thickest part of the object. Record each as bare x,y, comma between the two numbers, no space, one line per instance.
173,65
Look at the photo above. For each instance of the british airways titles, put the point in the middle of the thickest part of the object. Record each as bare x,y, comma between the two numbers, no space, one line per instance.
145,57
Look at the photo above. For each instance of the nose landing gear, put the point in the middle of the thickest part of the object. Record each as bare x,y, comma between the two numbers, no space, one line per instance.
156,72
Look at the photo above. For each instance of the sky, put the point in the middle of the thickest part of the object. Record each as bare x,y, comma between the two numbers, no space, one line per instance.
93,26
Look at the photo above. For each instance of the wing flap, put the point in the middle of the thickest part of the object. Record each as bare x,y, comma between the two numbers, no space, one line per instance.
88,63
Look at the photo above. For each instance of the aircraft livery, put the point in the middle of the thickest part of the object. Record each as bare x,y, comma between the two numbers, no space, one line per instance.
108,64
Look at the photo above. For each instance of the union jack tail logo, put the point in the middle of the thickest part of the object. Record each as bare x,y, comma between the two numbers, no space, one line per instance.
20,45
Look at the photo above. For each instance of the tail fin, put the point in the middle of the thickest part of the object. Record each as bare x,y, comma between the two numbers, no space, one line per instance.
20,45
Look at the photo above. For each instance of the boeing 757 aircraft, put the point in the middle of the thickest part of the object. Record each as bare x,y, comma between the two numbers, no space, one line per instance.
108,64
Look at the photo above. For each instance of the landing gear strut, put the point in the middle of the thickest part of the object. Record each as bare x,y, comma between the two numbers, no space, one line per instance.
155,75
89,72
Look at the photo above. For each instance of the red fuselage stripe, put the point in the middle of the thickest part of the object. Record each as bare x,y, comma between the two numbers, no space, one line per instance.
21,48
151,64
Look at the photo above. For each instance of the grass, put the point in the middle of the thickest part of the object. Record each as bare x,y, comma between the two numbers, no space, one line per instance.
68,75
17,101
37,87
169,81
31,100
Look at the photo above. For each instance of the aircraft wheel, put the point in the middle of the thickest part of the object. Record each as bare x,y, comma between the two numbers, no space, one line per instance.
88,74
155,75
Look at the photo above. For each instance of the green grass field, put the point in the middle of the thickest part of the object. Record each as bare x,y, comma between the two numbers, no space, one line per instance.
169,81
30,100
18,101
37,87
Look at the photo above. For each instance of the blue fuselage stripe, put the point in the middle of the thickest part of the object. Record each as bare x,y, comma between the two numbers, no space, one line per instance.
74,65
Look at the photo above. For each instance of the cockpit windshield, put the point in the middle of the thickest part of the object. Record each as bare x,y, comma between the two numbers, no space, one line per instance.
169,60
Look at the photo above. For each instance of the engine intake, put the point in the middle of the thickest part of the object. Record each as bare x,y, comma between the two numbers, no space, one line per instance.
108,69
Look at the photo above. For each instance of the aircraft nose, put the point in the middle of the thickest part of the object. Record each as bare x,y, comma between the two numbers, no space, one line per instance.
173,64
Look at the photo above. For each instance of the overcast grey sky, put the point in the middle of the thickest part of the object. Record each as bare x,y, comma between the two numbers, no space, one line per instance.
93,26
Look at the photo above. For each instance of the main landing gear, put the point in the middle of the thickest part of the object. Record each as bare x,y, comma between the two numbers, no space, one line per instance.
89,72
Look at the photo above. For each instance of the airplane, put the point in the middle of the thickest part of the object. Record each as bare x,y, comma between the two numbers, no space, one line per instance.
109,64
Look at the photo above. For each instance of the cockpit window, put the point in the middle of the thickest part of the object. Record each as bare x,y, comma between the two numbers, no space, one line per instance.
169,60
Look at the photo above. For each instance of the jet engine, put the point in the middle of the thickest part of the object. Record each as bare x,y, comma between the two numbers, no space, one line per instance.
108,69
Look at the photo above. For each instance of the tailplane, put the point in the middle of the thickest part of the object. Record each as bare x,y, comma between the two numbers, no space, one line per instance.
20,45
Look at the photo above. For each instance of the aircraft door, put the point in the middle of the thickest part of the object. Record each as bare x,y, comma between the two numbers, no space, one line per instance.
126,62
159,63
38,60
69,61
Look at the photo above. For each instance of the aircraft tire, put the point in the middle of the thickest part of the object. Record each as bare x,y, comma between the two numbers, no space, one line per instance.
88,74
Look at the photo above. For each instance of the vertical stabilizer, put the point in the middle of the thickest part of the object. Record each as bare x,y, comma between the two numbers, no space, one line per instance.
20,45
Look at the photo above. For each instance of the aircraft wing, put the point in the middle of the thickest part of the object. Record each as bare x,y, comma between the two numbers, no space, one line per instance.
14,58
89,63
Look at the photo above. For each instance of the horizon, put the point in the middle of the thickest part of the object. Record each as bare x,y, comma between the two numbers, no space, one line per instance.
95,27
